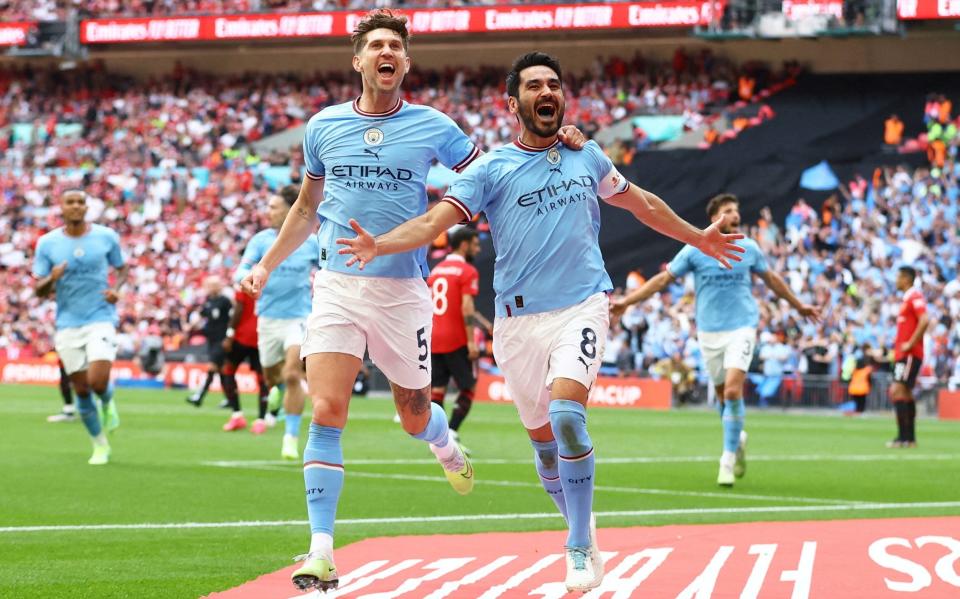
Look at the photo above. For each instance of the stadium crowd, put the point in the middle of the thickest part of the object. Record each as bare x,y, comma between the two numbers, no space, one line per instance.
171,165
843,257
56,10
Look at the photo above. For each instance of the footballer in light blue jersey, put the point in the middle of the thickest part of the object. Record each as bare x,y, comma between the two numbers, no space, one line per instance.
542,207
541,201
73,263
727,318
374,167
88,258
724,296
287,294
283,305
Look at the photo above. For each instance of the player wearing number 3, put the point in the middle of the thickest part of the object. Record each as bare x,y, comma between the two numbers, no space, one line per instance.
551,285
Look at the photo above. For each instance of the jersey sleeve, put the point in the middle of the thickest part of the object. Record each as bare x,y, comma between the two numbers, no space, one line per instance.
311,149
470,282
115,256
455,150
41,260
251,256
609,180
918,304
681,263
468,192
758,264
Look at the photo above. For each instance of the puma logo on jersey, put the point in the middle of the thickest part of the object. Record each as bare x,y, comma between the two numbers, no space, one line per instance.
374,153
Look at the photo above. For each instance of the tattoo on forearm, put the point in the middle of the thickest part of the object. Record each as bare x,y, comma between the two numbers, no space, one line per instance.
303,213
414,401
471,320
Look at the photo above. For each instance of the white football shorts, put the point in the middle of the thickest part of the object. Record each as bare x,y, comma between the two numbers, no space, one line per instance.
723,350
79,346
391,318
533,350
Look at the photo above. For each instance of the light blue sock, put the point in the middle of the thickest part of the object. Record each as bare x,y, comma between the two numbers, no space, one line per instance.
569,422
89,415
293,425
437,432
107,396
545,458
323,476
733,414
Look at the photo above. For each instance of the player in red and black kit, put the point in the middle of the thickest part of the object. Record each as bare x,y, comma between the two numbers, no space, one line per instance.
912,322
454,283
239,345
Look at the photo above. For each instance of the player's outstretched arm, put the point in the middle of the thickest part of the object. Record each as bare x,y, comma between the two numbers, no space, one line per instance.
777,285
656,284
410,235
656,214
301,222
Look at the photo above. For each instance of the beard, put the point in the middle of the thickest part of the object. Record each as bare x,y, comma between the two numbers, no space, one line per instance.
528,117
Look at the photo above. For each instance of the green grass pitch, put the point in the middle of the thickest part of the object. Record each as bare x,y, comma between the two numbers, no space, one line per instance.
653,469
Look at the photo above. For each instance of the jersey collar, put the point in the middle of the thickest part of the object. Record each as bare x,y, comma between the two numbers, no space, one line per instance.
455,257
527,148
391,112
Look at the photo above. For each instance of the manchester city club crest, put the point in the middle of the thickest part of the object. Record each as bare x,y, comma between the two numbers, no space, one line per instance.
373,136
78,253
553,156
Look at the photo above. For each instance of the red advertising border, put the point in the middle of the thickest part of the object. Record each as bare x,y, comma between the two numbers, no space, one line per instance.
909,10
614,392
14,34
474,19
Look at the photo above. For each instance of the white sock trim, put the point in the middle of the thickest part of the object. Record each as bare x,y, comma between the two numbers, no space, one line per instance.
321,542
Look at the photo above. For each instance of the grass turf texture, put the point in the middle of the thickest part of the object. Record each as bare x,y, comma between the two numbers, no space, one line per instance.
157,475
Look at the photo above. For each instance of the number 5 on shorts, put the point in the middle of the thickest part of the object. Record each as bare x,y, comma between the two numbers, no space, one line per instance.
422,344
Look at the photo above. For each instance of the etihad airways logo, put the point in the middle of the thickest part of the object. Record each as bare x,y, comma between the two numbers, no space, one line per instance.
374,177
559,195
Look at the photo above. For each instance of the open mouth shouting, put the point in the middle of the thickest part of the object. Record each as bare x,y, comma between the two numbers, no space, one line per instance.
386,71
546,110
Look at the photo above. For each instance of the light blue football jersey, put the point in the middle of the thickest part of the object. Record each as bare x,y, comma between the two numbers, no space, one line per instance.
545,220
374,168
724,296
79,292
287,292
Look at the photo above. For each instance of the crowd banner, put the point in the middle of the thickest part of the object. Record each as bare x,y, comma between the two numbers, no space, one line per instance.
474,19
619,392
14,34
37,371
948,405
928,9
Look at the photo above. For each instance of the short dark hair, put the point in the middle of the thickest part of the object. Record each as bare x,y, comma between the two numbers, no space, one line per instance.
909,271
289,193
718,201
530,59
461,236
382,18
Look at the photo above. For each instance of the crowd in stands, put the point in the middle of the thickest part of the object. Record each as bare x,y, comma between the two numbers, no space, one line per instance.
843,257
55,10
170,163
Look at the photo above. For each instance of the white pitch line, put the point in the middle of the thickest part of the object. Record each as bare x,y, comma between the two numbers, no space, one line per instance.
508,483
494,517
886,457
603,488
